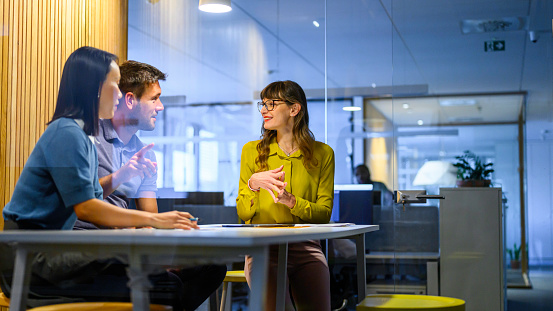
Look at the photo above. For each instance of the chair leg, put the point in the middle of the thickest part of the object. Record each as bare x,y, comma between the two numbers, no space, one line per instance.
224,296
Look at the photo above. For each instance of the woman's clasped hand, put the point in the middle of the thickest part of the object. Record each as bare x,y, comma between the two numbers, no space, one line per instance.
273,182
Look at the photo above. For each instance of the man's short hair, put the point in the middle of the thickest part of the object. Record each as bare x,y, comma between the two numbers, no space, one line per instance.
136,76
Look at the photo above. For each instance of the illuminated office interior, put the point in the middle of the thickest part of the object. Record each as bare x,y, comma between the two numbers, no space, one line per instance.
392,84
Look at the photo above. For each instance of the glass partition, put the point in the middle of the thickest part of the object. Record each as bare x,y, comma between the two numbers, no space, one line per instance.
217,64
387,88
469,106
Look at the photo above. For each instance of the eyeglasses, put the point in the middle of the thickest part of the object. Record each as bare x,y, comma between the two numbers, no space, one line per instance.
269,104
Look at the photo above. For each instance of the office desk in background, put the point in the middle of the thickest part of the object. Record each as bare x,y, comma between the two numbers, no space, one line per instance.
151,247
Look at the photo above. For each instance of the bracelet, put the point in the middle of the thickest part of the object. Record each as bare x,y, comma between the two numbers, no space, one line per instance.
251,187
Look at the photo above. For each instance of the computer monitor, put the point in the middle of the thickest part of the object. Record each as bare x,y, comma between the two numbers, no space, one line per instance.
353,203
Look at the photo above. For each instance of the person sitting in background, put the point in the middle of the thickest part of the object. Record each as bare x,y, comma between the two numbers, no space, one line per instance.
60,183
363,176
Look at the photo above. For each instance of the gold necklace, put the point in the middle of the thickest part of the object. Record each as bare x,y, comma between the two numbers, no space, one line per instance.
286,153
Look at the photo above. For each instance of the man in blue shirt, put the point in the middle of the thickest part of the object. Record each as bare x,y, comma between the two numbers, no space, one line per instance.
127,167
127,171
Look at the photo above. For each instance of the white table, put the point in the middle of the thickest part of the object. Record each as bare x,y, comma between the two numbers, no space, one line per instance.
149,247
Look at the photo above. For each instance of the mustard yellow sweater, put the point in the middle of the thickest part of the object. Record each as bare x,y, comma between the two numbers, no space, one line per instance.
313,188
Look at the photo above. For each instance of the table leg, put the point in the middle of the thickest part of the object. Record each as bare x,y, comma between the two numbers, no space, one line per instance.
281,276
21,279
361,267
258,286
138,283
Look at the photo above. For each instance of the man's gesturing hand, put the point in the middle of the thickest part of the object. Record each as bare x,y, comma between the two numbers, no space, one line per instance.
138,165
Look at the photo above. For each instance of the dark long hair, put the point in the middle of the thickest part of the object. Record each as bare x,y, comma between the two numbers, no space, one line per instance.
291,93
83,74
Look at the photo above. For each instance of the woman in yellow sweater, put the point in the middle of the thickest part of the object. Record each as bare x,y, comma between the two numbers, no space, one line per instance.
288,177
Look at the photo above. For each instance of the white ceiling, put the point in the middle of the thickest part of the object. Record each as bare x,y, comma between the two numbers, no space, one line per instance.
369,44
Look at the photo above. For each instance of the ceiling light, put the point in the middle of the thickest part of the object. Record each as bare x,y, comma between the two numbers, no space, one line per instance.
405,106
420,122
457,102
316,24
215,6
351,108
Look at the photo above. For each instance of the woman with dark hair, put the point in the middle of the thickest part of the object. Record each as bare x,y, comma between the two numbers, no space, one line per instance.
60,182
60,179
296,174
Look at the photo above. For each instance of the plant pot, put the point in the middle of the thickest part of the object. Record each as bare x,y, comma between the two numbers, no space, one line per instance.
515,264
473,183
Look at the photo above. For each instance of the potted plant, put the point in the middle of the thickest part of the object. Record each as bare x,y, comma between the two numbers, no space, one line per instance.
471,171
514,254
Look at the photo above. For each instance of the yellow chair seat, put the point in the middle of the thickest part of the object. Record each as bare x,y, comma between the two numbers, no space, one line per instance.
410,302
235,276
93,306
4,302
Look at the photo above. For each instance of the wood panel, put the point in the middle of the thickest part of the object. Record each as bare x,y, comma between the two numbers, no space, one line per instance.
37,36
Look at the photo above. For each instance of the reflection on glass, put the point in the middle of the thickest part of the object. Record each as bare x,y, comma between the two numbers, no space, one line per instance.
217,64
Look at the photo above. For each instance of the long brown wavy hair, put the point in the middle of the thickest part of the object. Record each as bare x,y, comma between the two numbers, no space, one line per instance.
291,93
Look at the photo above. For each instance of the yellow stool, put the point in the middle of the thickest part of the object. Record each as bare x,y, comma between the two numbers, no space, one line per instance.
4,302
410,302
100,306
232,276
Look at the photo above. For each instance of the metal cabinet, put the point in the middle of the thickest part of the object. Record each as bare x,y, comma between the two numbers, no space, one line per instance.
471,247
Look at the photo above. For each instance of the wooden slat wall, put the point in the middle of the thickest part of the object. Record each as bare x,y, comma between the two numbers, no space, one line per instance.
37,36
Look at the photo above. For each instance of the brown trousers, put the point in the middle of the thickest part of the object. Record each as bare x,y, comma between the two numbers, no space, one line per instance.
307,277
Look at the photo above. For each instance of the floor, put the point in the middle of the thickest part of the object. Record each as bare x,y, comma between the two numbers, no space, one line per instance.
539,298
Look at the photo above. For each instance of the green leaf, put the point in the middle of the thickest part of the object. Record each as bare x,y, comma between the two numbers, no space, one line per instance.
470,166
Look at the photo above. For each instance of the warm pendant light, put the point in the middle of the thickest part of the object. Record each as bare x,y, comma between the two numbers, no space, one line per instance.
215,6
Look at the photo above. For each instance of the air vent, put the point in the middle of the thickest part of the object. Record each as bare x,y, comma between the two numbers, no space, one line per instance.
494,25
457,102
465,119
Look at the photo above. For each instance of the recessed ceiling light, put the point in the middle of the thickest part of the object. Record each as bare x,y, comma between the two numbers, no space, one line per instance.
405,106
215,6
351,108
420,122
316,24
